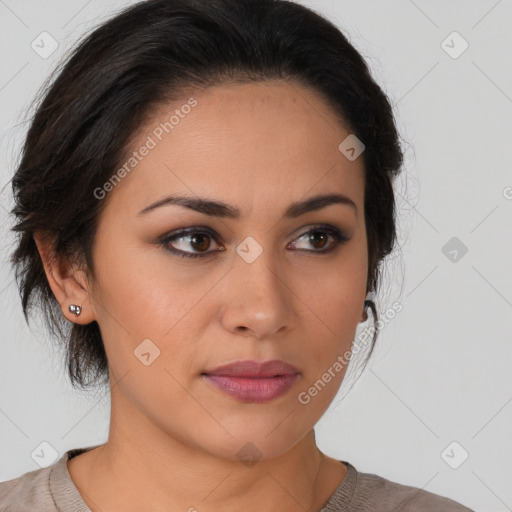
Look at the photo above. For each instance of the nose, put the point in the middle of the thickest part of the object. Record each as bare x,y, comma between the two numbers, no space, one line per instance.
258,300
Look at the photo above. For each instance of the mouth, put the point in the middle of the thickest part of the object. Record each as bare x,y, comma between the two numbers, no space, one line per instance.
253,381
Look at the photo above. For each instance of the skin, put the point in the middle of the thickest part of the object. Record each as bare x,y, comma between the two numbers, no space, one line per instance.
173,438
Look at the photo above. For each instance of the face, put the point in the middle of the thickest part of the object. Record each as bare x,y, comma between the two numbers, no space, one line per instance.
265,284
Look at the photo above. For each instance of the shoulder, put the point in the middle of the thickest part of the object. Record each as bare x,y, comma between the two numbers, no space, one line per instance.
50,489
367,492
30,491
383,494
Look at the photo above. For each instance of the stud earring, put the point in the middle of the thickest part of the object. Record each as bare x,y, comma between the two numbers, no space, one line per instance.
368,303
73,308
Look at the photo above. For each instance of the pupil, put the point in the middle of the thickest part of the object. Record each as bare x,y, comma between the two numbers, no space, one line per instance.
196,237
315,237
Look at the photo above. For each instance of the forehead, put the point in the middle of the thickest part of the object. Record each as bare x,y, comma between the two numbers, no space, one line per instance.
257,143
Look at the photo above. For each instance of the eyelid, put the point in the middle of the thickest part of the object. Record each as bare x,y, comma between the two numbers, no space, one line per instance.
329,228
179,233
339,235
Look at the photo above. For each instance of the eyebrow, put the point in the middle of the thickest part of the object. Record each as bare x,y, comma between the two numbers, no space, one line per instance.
220,209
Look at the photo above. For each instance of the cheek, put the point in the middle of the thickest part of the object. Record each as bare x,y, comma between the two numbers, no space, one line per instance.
334,305
335,292
145,293
133,292
138,300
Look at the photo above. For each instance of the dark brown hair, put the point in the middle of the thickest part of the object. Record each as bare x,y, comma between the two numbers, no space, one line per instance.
147,55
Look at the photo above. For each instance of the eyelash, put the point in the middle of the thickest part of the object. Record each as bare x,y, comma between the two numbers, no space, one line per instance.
338,236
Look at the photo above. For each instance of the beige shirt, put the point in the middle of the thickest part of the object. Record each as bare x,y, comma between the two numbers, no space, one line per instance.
51,489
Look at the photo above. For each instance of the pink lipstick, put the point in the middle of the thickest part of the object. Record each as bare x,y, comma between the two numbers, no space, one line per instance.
253,381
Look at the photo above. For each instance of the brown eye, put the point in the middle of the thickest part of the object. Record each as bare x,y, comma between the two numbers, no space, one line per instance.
196,242
189,243
200,242
318,239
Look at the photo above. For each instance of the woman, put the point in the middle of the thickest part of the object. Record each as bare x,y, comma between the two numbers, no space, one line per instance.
204,200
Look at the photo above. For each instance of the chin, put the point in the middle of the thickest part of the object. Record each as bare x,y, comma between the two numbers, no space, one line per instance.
252,440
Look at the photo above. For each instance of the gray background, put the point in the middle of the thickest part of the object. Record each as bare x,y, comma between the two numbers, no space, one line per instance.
443,364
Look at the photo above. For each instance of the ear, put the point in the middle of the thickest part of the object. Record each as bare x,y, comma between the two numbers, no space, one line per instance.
364,314
67,281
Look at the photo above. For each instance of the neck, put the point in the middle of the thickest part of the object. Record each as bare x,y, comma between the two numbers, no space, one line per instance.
140,463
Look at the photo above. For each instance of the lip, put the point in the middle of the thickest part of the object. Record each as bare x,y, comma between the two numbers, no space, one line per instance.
255,369
253,381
